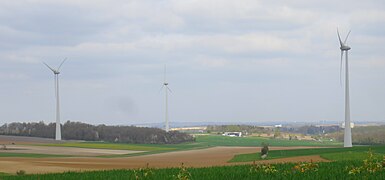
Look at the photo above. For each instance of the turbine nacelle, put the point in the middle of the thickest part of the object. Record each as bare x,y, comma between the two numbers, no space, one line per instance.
165,83
345,48
55,71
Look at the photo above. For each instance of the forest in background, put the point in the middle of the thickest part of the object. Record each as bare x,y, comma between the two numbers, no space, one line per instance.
88,132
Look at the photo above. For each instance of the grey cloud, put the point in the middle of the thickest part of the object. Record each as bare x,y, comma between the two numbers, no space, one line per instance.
227,60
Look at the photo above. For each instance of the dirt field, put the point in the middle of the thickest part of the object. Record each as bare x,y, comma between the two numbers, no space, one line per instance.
26,140
72,151
20,144
216,156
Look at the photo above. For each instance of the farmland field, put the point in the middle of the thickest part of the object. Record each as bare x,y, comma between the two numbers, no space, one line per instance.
214,156
32,155
217,140
206,151
326,170
197,154
202,141
354,153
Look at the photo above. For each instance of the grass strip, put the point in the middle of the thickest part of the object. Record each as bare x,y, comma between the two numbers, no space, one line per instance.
275,154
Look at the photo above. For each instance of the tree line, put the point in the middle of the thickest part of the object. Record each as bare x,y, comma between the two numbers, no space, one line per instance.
311,129
245,129
363,135
88,132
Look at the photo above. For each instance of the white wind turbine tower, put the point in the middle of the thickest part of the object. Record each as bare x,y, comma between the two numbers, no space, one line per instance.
166,90
56,72
348,131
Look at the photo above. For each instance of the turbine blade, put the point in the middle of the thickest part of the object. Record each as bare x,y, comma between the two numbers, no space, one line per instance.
53,70
164,75
347,37
160,90
61,64
339,38
342,53
169,89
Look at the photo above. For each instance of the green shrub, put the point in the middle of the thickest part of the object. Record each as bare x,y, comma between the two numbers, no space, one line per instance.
264,150
20,172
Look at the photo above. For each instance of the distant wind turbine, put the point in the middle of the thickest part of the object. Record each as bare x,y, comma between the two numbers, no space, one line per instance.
167,89
348,131
56,72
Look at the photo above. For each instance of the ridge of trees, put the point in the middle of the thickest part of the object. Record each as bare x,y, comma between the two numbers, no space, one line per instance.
363,135
88,132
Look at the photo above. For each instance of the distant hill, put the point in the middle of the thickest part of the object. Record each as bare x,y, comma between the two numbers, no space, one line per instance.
177,124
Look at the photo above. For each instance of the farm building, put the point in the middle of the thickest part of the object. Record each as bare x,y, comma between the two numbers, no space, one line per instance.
233,134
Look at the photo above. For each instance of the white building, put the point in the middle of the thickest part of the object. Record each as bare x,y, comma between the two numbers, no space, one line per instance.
233,134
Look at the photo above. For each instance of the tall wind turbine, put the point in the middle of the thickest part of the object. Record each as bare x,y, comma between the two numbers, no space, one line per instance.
348,131
166,90
56,72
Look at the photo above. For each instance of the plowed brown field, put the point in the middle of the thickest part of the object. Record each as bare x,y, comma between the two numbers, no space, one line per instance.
215,156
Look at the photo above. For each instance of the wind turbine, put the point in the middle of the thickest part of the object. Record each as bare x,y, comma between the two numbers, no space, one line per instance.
166,90
348,131
56,72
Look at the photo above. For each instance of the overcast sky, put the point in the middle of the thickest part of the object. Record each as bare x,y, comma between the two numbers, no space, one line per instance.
235,61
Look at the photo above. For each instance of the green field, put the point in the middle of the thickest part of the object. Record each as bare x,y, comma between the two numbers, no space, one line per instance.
349,155
218,140
3,174
354,153
202,141
330,170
